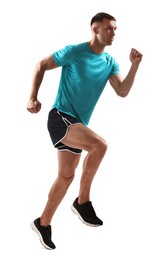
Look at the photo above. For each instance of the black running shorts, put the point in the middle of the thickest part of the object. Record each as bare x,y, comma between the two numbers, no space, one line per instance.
58,124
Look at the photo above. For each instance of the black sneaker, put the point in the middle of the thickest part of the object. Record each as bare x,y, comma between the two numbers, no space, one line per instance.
44,233
86,213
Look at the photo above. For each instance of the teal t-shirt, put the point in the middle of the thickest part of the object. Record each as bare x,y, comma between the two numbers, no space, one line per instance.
83,78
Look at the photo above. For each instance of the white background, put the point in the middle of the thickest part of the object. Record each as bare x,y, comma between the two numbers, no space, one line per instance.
130,189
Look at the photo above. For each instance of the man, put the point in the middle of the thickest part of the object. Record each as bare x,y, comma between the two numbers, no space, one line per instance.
86,68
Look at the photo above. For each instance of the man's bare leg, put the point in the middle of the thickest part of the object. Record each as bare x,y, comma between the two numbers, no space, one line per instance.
67,163
79,136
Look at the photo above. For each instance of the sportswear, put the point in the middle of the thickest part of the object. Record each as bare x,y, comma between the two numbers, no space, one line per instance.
86,213
44,234
83,78
58,124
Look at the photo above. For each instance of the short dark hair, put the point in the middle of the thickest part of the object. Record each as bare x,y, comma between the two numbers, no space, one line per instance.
100,16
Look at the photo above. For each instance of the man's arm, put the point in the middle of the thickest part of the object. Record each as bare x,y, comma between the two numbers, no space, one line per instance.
123,86
47,63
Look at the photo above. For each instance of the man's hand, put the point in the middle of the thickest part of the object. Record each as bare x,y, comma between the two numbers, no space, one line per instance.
135,56
33,106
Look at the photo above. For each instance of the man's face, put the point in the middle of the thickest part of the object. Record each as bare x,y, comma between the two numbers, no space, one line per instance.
106,31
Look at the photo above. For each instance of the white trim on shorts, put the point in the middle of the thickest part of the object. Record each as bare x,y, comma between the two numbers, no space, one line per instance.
68,125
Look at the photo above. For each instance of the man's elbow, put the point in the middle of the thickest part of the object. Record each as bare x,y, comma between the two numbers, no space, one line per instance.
123,94
41,65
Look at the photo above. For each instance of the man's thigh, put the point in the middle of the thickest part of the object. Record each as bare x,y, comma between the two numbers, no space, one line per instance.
67,162
82,137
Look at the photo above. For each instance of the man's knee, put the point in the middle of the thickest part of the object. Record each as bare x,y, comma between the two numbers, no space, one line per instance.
100,146
66,175
103,145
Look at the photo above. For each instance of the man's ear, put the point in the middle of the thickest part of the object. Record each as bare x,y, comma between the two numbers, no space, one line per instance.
95,30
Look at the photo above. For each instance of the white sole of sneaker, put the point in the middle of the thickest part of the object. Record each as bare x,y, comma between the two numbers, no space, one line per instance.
83,221
33,227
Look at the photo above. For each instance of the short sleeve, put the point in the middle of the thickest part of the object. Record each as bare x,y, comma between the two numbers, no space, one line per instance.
115,68
64,56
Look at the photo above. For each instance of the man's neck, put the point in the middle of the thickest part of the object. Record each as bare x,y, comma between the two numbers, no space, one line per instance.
96,47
